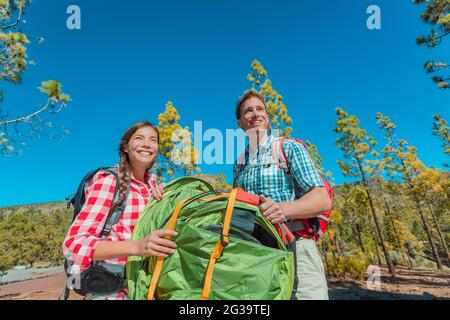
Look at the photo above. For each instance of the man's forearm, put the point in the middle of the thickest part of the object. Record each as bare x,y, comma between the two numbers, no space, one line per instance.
310,205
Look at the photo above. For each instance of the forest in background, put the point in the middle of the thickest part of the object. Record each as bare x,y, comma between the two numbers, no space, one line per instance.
393,210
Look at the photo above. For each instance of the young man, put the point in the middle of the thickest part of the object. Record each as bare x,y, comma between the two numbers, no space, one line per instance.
297,195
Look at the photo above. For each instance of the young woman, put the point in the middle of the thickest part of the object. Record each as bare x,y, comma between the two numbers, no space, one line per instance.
138,150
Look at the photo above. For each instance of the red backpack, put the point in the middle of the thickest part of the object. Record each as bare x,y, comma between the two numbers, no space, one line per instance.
307,228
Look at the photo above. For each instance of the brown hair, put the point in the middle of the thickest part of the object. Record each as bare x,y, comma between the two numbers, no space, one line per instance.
124,164
247,95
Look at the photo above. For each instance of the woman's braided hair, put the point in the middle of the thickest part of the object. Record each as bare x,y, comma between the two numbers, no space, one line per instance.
124,163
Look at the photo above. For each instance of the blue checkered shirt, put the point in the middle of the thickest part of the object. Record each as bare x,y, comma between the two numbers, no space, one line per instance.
259,172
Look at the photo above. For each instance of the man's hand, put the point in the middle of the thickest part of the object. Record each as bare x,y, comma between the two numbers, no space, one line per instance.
272,210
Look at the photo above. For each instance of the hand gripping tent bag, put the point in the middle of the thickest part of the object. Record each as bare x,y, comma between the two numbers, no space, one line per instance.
226,248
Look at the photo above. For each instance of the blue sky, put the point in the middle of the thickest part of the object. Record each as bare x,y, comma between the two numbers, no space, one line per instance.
130,58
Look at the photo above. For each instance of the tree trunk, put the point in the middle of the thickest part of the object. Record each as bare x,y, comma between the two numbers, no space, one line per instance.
336,240
409,254
434,250
325,259
377,221
338,249
430,237
389,262
388,212
378,252
408,179
358,229
391,219
410,264
441,236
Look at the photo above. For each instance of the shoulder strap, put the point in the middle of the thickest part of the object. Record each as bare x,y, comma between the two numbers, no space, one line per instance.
242,161
114,216
284,160
78,199
282,155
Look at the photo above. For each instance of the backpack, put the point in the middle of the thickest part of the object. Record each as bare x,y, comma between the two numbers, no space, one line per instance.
226,249
100,277
307,228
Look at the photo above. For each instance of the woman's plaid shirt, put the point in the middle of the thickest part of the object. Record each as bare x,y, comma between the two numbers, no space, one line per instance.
259,172
84,235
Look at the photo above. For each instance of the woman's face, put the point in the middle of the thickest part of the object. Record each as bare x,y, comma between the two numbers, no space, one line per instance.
142,148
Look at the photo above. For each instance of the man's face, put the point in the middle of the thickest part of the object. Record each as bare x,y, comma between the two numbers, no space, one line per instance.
253,115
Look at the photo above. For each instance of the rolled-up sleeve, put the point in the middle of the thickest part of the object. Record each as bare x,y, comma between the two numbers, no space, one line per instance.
302,168
84,234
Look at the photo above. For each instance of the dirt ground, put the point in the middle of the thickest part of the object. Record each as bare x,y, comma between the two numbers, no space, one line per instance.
408,284
48,288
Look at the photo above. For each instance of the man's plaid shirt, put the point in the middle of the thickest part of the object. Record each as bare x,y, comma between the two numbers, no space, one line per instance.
84,235
259,172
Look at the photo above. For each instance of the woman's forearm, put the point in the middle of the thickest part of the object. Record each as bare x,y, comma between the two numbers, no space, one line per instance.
107,250
310,205
155,244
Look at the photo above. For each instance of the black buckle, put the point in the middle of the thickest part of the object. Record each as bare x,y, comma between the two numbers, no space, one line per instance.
68,202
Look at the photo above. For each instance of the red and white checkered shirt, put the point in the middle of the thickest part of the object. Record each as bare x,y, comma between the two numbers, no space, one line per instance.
84,235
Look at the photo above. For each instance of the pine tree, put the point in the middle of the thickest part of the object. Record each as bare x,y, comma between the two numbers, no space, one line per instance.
401,159
376,170
221,183
276,109
437,14
441,130
14,62
318,160
177,154
357,145
433,182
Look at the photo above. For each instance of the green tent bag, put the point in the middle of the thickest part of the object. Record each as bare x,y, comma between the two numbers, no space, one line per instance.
217,258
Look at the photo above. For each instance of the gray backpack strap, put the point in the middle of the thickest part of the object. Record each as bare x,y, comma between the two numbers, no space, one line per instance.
114,216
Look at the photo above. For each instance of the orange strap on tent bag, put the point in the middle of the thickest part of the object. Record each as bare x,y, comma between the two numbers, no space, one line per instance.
220,245
160,260
172,222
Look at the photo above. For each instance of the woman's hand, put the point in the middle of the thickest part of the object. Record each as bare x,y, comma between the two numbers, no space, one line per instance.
272,210
156,245
158,191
